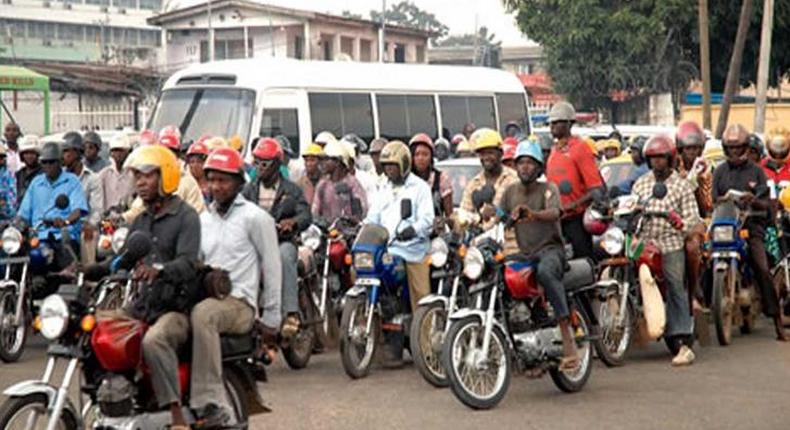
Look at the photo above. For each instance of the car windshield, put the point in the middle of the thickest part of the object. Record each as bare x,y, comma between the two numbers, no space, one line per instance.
220,112
460,175
615,173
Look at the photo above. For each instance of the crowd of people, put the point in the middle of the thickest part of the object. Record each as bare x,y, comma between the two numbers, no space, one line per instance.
206,206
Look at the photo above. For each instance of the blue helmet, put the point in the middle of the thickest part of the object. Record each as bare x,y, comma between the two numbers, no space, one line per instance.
530,148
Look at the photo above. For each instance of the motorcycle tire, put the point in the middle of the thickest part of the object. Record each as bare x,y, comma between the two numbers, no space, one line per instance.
426,354
614,354
12,412
453,357
783,292
571,383
12,339
357,365
237,395
300,347
721,306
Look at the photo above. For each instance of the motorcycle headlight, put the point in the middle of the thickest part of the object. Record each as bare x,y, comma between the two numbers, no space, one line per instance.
363,260
473,263
612,241
723,233
12,240
311,237
54,316
119,239
439,252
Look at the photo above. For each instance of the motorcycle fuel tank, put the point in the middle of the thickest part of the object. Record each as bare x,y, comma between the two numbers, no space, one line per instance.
118,344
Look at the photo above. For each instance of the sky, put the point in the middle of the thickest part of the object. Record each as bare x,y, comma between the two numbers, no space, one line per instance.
458,15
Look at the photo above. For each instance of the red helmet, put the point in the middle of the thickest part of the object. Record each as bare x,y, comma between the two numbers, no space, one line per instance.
268,148
689,134
421,138
225,160
198,148
660,145
170,137
593,223
147,137
509,146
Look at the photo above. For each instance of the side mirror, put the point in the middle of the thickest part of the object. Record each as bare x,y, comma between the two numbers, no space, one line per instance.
62,202
405,208
659,190
566,187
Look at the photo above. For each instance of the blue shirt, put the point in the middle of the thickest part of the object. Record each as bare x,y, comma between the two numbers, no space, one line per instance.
635,174
39,202
7,194
385,211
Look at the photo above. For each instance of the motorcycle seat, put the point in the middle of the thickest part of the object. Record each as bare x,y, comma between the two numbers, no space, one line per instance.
235,345
579,273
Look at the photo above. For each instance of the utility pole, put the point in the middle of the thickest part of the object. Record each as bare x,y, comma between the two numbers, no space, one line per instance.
704,54
210,35
762,70
381,30
734,73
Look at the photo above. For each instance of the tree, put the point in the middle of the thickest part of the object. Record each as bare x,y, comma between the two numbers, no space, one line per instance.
488,49
349,14
409,15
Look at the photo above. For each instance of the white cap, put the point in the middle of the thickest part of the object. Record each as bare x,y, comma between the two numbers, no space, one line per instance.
120,142
30,142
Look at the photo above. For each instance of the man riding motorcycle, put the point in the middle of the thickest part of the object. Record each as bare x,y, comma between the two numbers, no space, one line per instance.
739,174
328,204
73,148
285,202
669,236
312,171
117,182
413,234
776,165
237,237
29,152
422,149
535,207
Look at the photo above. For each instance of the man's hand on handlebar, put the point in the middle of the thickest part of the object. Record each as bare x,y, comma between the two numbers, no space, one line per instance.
146,273
675,220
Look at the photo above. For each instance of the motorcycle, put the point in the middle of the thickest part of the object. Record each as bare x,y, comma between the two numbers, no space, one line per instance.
734,300
29,276
114,378
780,272
512,325
378,301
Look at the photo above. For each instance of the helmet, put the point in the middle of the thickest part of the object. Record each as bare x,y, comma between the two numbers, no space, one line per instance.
756,143
350,146
784,198
92,137
442,149
464,146
357,143
156,157
147,137
29,142
609,144
396,152
689,134
562,111
213,143
235,143
422,138
660,145
593,223
72,140
735,132
51,151
484,138
337,150
637,143
509,148
120,142
227,160
285,144
268,148
324,137
170,137
458,138
513,124
778,142
377,144
529,148
313,150
198,148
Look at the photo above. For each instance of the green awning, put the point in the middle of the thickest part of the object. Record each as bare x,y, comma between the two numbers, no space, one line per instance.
22,79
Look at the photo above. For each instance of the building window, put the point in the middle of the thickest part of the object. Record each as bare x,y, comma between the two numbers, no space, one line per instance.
457,111
284,122
512,108
342,113
347,46
299,47
420,53
327,40
400,53
129,4
402,116
151,4
365,52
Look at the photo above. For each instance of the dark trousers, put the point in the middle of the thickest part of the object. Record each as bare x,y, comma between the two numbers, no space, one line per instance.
551,268
573,231
758,261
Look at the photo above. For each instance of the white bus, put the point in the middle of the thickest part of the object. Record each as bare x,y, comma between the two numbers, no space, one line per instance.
299,99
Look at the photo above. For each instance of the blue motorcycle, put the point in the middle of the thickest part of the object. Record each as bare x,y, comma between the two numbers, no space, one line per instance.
378,305
733,298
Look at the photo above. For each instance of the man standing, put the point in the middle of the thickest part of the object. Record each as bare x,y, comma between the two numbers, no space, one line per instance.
11,136
117,183
573,169
72,159
240,238
29,151
93,159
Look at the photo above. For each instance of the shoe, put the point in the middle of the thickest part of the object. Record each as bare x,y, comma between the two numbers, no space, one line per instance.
212,416
685,357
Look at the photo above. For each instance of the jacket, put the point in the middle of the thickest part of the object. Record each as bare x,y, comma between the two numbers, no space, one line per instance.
286,191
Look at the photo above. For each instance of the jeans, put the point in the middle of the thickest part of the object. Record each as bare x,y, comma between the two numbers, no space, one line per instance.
551,268
573,231
758,261
679,319
290,294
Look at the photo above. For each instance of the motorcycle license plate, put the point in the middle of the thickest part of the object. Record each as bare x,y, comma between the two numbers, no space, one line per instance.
368,282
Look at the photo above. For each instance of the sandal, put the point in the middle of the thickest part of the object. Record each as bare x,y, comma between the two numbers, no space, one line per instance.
569,364
290,326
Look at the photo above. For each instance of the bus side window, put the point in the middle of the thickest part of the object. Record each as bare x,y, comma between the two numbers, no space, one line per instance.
281,122
457,111
341,114
512,108
403,116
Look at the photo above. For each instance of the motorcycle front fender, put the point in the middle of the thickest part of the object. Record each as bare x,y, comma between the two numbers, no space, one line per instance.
467,312
9,284
356,291
434,298
26,388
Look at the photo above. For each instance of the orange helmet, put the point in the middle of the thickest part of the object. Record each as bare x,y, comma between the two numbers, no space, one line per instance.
268,148
421,138
170,137
155,157
226,160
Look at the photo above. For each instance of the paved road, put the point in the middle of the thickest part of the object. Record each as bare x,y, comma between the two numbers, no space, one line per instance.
744,386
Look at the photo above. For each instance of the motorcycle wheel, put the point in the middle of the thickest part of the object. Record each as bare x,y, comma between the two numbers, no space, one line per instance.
426,338
783,291
15,412
357,350
300,348
614,342
329,331
12,339
722,303
476,385
571,382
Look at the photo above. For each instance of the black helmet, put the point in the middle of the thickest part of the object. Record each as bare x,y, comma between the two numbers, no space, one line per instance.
72,140
92,137
50,151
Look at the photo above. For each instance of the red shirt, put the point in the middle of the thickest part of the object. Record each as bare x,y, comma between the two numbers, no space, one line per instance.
782,174
576,164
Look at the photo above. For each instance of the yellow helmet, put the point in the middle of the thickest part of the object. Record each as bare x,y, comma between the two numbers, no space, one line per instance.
396,152
155,157
484,138
216,143
784,198
777,141
313,150
236,143
608,144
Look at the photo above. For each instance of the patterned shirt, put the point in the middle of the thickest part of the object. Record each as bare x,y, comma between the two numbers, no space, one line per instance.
702,183
7,194
329,205
680,198
508,177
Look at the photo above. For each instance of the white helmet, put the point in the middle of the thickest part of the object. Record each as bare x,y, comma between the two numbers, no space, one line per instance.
324,138
30,142
337,150
120,142
562,111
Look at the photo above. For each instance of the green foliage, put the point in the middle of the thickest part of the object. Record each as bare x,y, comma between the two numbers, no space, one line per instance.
349,14
483,38
409,15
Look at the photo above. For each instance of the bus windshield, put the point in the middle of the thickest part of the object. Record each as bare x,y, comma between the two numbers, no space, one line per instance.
219,112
